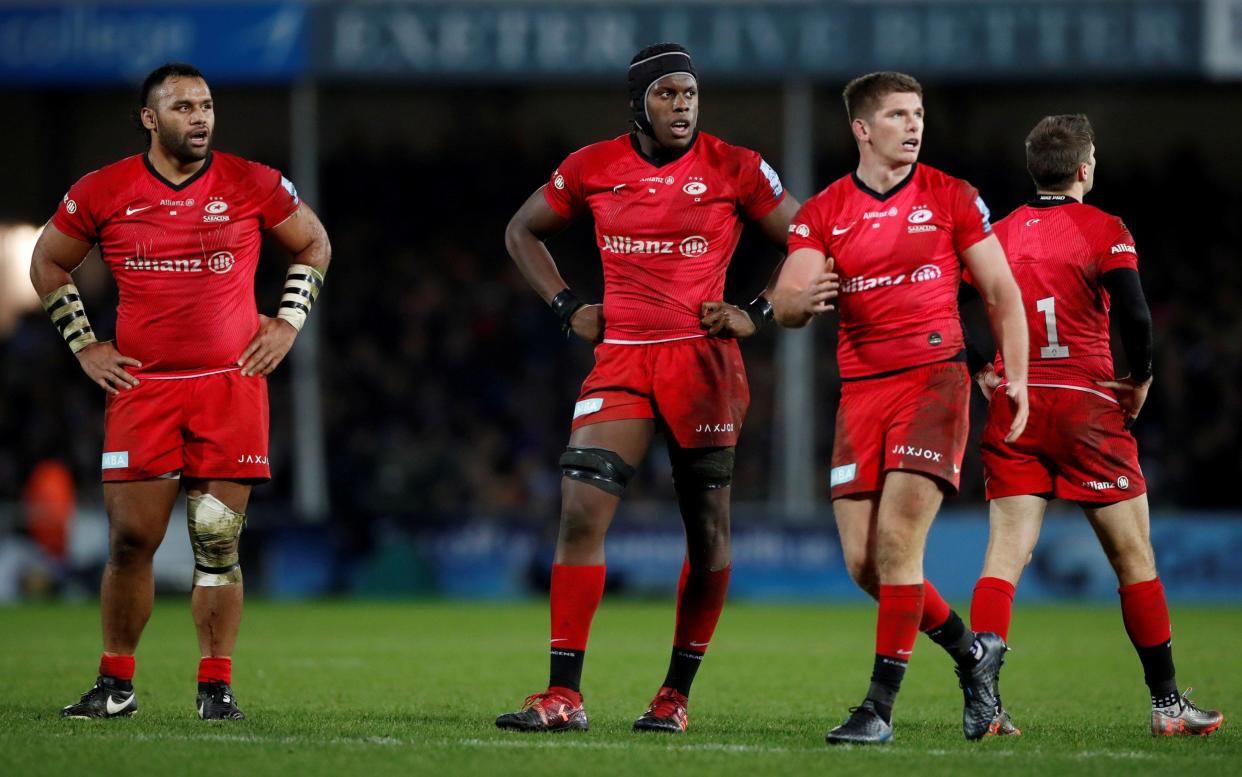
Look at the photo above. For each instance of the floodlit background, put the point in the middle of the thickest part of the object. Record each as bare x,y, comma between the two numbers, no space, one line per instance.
438,387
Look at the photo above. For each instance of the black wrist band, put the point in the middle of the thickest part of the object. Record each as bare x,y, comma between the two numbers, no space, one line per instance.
564,305
760,311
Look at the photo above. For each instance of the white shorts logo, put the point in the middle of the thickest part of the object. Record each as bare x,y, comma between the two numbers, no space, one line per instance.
588,406
115,460
842,474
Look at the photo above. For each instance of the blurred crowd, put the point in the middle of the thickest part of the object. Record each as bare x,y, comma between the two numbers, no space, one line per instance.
448,386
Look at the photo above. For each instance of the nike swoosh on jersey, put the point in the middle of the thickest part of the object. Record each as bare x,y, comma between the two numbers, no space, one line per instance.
132,211
115,708
836,231
618,188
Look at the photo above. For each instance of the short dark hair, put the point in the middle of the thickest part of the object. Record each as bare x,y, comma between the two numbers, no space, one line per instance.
154,79
1056,147
863,95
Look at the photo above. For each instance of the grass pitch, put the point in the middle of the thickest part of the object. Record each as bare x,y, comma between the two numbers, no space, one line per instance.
412,689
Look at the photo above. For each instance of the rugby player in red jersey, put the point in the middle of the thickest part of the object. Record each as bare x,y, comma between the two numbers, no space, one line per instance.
180,228
668,203
898,232
1077,267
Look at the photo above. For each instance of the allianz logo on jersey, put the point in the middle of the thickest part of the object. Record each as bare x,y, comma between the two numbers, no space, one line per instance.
928,272
219,263
879,214
695,245
1123,248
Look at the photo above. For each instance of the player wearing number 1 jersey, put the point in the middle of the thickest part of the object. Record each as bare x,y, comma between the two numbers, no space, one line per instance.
668,203
179,226
898,233
1076,266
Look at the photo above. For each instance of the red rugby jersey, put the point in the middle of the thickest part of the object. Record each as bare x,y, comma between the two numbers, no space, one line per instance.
183,255
898,257
1058,249
665,233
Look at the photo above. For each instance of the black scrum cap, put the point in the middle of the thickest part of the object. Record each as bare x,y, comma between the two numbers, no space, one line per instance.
650,65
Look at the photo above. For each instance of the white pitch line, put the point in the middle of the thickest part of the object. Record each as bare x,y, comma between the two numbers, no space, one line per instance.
566,743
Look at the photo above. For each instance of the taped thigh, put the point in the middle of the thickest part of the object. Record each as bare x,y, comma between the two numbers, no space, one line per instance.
598,467
701,469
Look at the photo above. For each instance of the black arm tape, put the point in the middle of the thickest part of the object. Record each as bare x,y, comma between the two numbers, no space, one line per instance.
760,311
564,305
978,337
701,469
1129,309
598,467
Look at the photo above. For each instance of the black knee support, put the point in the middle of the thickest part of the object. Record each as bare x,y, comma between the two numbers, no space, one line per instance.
700,469
597,466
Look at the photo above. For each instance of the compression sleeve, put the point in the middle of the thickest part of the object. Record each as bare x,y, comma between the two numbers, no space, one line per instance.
1129,309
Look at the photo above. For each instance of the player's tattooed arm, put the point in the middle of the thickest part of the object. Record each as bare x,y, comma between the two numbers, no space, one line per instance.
55,256
303,236
804,288
533,224
1003,300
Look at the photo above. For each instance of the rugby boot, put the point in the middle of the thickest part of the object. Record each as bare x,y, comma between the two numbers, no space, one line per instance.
105,700
666,713
551,710
217,702
1002,725
979,685
1184,718
864,726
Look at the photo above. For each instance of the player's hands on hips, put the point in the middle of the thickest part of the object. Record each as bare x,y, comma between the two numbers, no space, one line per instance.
725,321
1131,395
988,381
105,365
1018,400
588,323
269,346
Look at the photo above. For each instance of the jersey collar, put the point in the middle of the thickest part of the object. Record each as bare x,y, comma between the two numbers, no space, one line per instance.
146,160
653,161
1051,200
882,197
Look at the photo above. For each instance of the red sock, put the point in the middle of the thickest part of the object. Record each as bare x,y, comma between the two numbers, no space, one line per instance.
897,626
935,609
576,593
120,667
1145,612
700,599
991,608
215,669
